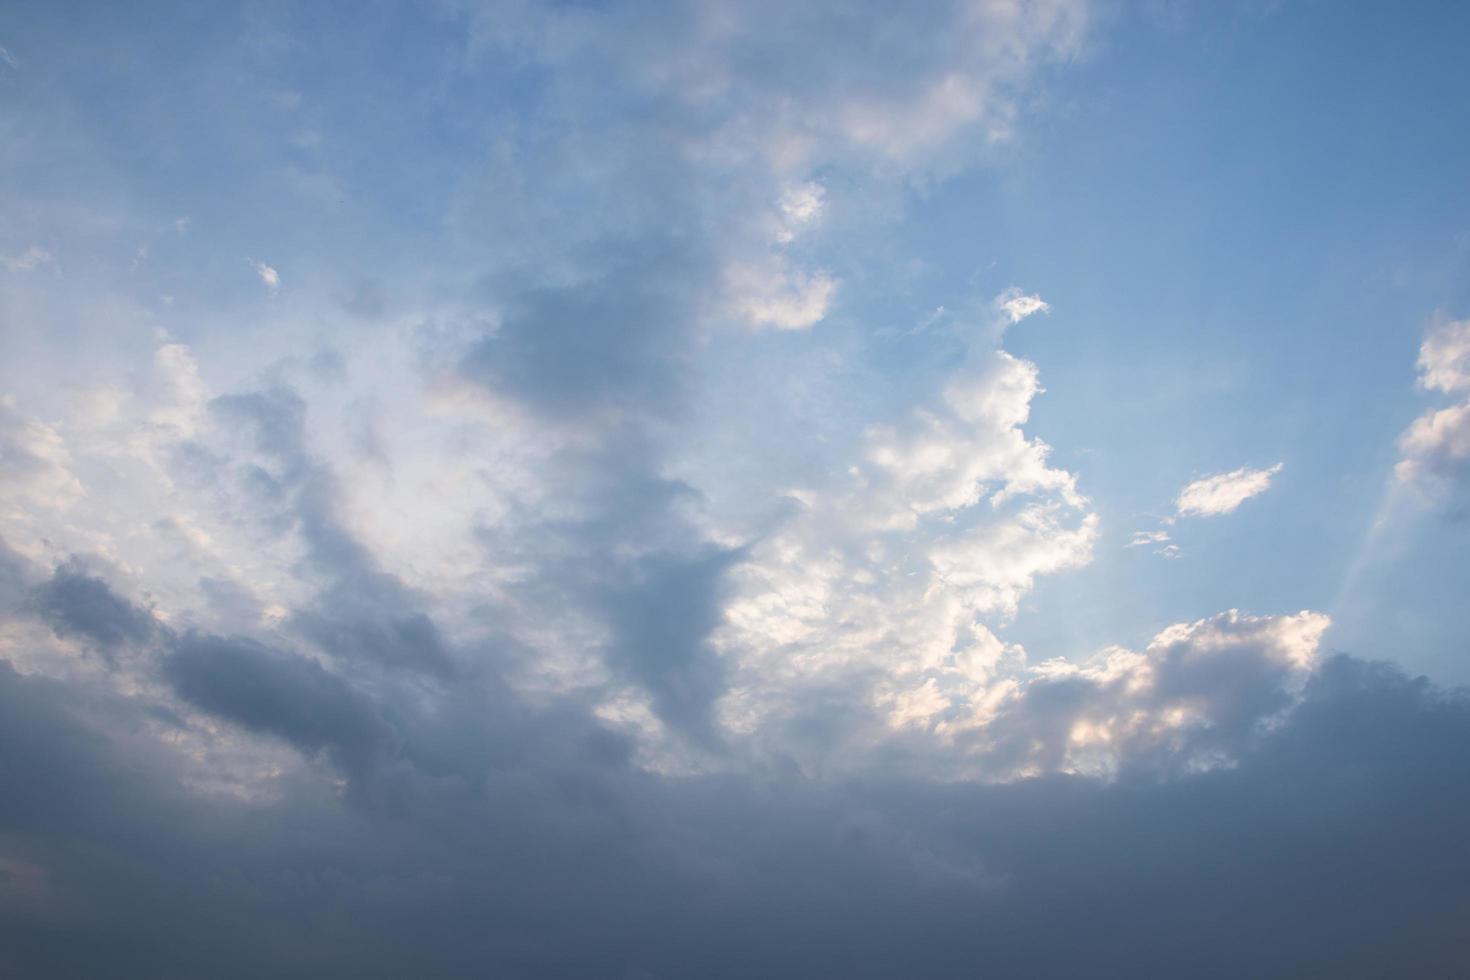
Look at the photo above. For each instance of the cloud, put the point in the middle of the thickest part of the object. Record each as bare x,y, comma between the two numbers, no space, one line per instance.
883,590
75,603
1444,357
1435,449
561,625
29,260
1015,306
613,340
1141,538
775,295
268,275
1223,492
282,695
801,206
1195,697
37,468
573,865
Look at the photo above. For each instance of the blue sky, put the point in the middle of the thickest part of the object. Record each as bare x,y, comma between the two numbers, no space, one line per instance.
577,420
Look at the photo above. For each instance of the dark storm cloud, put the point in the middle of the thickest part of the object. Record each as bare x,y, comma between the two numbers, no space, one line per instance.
1335,848
74,603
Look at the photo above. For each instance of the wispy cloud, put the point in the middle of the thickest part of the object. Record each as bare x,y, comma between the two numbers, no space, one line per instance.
29,260
1142,538
1224,492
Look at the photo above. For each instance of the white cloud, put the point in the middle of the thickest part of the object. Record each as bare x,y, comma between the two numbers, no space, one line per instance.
35,467
1016,306
887,586
801,206
1435,450
967,82
1444,357
9,59
1194,697
771,294
29,260
1141,538
268,275
1223,492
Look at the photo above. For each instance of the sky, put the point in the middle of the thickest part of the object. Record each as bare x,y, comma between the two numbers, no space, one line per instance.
644,490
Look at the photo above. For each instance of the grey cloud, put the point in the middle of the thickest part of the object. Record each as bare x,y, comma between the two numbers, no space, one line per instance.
74,603
613,342
17,574
662,611
280,694
1200,694
345,627
360,611
630,562
1334,848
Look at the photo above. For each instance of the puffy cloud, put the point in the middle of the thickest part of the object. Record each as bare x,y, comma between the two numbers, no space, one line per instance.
1435,449
885,588
1015,306
1194,697
1224,492
1444,357
772,294
268,275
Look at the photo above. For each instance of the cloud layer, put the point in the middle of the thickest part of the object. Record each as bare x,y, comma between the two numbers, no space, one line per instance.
555,563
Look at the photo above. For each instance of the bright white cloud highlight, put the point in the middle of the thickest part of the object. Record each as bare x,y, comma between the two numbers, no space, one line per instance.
1016,306
1435,450
1444,357
888,585
1196,694
1224,492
